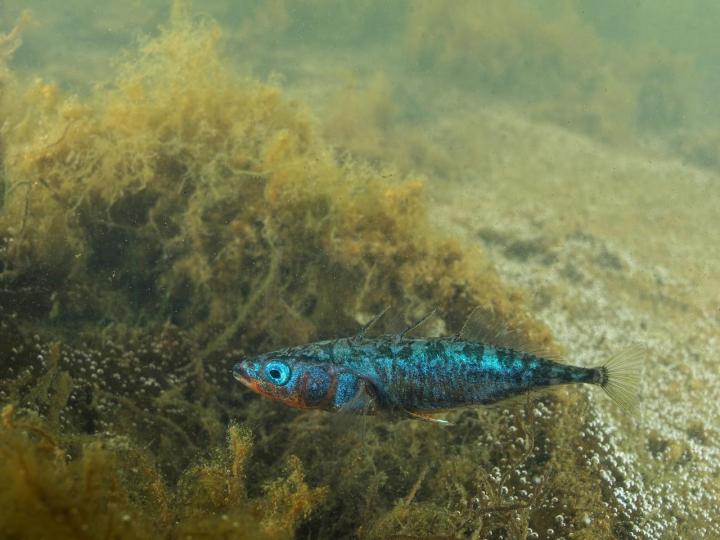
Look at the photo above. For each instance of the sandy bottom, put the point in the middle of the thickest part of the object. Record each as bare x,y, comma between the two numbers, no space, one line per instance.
614,249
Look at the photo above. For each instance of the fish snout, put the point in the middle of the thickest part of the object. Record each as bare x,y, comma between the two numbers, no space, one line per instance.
239,371
246,371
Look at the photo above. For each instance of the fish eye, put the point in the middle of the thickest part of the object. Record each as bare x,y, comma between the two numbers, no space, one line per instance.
278,372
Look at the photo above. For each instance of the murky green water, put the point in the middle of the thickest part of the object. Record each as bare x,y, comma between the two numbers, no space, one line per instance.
184,186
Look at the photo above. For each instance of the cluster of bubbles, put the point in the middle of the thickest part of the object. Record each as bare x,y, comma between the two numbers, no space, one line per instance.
657,462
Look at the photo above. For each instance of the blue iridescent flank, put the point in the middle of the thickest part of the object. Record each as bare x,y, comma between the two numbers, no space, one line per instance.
389,374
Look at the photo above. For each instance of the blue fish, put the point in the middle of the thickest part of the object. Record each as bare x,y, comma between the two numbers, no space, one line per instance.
397,376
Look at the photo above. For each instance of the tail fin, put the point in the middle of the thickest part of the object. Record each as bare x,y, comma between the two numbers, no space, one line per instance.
620,376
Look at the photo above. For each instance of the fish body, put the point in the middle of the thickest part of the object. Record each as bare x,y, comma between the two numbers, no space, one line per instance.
392,375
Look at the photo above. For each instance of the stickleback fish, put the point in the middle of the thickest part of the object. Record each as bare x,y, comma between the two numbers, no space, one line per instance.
398,376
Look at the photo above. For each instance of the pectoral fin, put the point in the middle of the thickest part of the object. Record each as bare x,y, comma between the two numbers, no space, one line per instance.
363,401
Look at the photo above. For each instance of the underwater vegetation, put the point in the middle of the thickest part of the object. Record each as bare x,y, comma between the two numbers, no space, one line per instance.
145,203
106,487
552,61
181,217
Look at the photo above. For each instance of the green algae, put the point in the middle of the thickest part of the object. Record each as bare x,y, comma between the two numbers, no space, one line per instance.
182,216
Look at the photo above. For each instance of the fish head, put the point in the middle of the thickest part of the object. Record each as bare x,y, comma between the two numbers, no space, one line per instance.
297,383
305,383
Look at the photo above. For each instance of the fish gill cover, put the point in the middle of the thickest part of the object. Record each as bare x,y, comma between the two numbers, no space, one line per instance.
182,216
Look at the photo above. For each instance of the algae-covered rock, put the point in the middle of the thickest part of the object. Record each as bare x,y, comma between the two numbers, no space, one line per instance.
181,216
183,193
107,487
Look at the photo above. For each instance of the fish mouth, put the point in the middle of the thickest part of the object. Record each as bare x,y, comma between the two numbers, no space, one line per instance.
240,374
246,373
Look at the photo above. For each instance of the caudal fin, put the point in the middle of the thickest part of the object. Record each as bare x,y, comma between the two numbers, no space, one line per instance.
620,376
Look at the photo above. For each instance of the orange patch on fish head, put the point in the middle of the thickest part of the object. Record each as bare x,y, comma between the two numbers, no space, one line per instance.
298,384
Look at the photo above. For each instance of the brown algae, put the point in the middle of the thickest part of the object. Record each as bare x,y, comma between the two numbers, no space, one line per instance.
182,216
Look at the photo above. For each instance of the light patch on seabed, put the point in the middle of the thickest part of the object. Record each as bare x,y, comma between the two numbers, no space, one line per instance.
673,486
599,294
